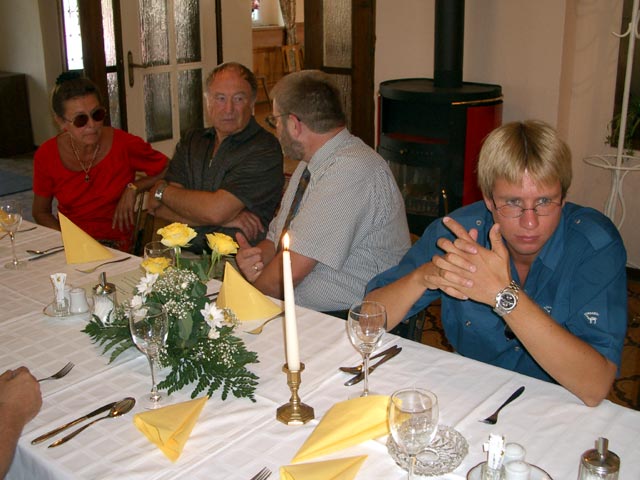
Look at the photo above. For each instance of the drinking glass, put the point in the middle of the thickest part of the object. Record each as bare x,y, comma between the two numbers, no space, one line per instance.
413,421
149,326
159,250
10,220
366,323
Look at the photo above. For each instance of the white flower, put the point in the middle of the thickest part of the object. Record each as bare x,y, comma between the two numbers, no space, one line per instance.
184,285
145,287
137,301
214,317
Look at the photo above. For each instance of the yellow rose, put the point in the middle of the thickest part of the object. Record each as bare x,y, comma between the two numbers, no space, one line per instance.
176,235
221,243
156,264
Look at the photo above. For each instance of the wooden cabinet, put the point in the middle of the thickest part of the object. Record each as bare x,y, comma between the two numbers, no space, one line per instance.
267,54
16,135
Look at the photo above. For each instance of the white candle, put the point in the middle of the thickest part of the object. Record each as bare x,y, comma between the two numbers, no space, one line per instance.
291,328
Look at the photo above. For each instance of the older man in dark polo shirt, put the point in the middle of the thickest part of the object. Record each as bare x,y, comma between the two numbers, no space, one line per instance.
229,177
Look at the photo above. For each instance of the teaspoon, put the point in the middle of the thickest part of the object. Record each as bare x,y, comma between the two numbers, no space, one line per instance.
120,408
42,252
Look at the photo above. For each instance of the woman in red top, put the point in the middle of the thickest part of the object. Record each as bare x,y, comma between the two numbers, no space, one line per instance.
89,168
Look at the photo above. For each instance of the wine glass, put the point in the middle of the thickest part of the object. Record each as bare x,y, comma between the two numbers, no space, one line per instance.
149,326
413,421
10,220
366,323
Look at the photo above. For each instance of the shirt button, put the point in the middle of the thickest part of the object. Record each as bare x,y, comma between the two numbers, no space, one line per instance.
478,222
467,323
517,349
578,221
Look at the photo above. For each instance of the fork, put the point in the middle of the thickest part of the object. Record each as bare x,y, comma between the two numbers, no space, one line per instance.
93,269
60,373
262,474
258,330
493,418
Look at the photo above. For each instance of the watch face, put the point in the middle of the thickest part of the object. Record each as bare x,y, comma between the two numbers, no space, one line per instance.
507,300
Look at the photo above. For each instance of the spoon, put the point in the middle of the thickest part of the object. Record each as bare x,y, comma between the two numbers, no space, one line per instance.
120,408
42,252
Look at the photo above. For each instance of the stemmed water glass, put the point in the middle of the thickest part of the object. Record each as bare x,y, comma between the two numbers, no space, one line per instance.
149,326
413,421
10,220
366,323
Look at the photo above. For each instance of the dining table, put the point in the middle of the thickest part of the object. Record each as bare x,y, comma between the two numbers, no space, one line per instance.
236,437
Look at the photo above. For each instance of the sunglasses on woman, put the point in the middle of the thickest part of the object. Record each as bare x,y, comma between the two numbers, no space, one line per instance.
82,119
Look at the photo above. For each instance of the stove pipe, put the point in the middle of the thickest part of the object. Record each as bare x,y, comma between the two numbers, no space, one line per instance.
449,43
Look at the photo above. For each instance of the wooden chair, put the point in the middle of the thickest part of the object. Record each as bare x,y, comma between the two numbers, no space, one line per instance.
292,58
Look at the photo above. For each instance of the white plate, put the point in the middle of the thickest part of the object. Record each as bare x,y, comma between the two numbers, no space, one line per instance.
536,473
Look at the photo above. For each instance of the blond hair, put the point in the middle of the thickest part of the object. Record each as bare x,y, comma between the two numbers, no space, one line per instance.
532,146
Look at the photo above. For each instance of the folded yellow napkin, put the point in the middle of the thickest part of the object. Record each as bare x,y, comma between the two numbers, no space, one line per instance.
79,246
246,301
339,469
346,424
169,427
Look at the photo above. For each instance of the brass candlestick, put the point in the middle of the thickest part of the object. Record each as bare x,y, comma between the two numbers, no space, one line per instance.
294,412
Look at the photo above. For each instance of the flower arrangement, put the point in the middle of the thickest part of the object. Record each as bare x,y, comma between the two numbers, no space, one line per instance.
200,347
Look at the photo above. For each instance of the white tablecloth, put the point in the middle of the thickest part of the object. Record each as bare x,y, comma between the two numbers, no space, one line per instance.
233,439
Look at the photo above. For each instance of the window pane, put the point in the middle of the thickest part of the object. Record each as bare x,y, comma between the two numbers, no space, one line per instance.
187,20
114,99
190,99
108,33
157,106
72,38
154,34
337,33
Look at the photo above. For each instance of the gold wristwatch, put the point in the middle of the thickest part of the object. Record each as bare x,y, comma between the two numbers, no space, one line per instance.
507,299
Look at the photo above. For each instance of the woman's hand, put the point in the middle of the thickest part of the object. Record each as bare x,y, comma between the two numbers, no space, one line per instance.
124,216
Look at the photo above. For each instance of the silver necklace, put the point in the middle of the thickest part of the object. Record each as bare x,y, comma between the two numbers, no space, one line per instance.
84,166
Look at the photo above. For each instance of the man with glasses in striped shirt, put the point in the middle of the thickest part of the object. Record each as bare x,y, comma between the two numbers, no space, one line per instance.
343,210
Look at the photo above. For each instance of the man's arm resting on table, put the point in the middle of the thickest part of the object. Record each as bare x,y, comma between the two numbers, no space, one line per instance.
20,401
195,207
262,266
572,362
398,297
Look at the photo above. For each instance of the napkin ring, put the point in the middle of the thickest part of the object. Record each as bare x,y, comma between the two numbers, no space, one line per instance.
294,412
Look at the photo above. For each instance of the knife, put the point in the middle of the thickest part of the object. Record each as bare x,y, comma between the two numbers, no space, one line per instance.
377,355
61,249
359,377
50,434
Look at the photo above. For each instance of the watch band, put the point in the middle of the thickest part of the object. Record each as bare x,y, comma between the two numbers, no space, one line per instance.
160,191
507,299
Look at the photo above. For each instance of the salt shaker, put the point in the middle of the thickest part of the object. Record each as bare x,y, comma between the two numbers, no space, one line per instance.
78,301
599,463
104,299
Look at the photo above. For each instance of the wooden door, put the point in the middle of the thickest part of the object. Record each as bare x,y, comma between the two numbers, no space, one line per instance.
340,40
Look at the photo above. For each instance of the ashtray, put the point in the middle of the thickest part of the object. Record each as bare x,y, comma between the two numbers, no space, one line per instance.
536,473
443,455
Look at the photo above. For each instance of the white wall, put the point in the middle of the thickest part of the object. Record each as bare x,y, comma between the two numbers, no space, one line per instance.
22,50
236,31
555,59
